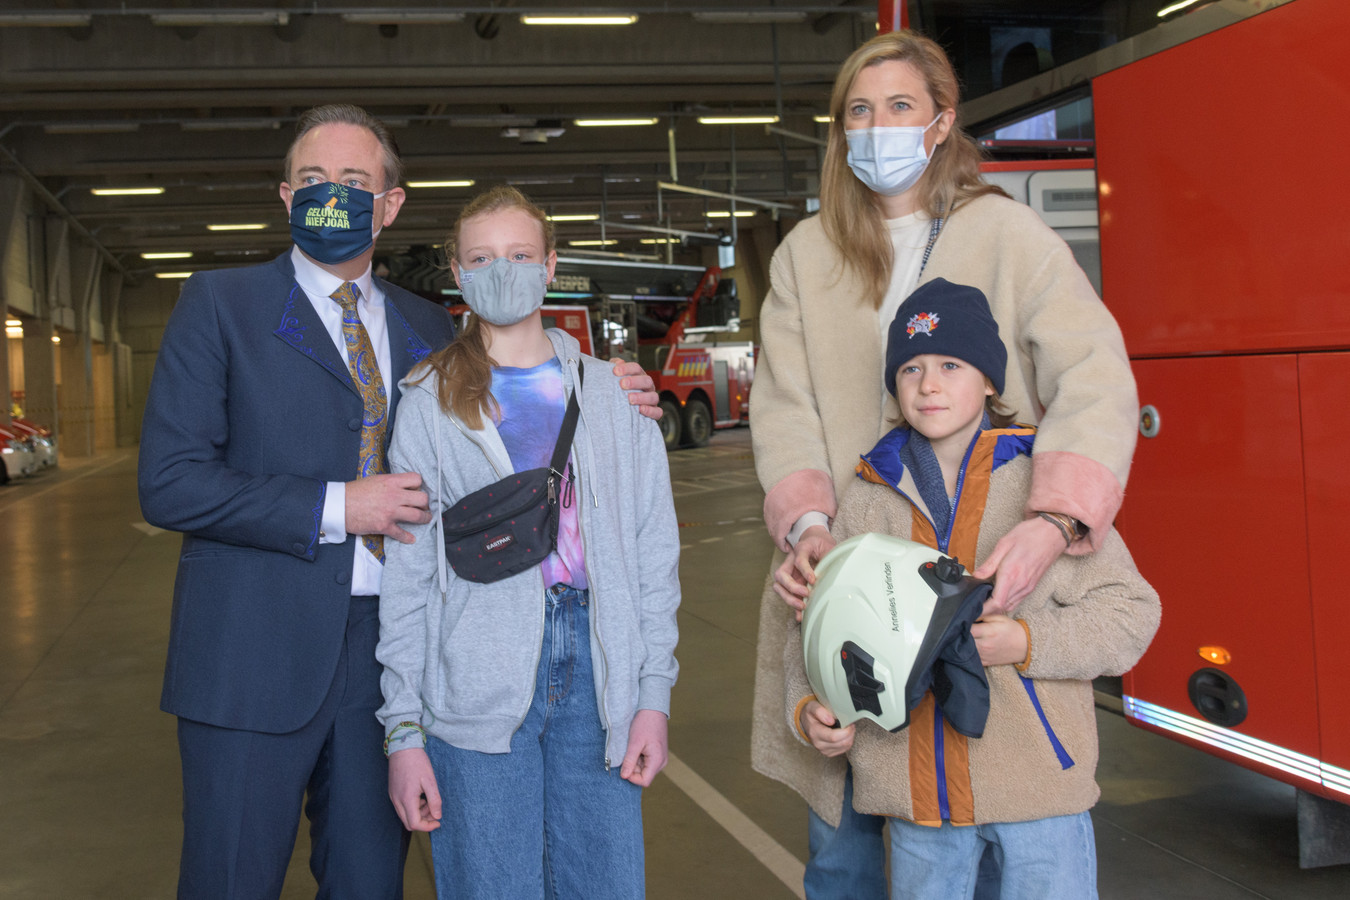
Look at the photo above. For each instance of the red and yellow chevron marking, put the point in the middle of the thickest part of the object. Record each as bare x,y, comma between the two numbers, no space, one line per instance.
693,367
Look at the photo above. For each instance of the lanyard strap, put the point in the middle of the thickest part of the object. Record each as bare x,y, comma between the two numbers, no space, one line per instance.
933,233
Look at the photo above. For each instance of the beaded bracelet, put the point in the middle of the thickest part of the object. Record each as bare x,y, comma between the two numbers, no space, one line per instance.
404,726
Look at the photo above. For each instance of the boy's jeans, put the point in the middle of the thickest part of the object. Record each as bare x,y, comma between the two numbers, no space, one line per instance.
546,819
1044,859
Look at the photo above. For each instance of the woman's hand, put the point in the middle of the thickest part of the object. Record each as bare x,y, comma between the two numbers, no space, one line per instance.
793,579
1001,641
647,748
818,725
412,787
640,387
1019,560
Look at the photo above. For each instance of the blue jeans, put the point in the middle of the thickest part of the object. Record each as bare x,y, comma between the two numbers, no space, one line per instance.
545,820
1044,859
848,862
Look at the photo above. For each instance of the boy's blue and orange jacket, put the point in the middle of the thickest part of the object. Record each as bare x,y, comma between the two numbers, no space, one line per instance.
1089,616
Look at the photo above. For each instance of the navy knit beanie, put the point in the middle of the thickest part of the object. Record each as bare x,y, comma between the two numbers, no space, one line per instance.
950,320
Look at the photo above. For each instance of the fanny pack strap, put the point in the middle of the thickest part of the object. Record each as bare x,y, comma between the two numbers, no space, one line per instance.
569,427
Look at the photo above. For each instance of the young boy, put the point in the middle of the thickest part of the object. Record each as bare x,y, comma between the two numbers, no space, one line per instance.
955,475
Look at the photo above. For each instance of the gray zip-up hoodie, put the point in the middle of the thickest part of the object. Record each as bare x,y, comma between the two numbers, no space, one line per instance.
460,658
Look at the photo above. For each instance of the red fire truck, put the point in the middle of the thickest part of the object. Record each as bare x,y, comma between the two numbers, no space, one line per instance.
703,383
1223,235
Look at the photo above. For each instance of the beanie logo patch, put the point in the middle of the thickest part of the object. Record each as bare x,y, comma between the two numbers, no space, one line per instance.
922,323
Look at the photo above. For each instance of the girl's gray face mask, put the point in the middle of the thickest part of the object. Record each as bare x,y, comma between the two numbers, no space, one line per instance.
504,292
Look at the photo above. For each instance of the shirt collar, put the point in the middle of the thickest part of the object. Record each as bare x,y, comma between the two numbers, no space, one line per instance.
317,281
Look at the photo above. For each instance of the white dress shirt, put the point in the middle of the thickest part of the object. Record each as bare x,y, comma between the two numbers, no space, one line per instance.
319,285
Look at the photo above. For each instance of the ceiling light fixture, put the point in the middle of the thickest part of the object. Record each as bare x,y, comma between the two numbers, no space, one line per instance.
183,254
245,227
750,17
611,123
575,217
222,17
428,17
738,120
230,124
823,120
462,183
173,274
726,214
126,191
659,240
578,20
46,20
90,127
13,323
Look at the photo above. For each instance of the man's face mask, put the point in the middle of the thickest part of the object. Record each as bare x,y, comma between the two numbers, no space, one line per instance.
332,223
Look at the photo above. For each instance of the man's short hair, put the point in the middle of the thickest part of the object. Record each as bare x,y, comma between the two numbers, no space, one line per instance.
347,114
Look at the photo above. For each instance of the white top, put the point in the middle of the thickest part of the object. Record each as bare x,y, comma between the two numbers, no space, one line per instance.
319,285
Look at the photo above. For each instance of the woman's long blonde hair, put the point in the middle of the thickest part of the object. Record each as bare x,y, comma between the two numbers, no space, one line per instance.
464,366
849,211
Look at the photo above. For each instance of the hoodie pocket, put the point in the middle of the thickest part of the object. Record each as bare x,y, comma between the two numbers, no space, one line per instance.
1065,760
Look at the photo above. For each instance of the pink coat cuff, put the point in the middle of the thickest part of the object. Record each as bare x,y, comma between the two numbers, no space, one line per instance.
1068,483
804,491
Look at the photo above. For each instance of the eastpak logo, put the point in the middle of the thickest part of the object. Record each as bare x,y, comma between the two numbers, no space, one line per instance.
500,542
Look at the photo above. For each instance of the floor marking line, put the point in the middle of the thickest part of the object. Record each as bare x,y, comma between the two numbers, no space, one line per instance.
771,854
19,498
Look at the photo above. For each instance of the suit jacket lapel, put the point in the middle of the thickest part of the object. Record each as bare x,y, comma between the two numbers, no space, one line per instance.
406,346
301,329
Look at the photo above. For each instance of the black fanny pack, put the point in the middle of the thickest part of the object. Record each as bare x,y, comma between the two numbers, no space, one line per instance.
512,525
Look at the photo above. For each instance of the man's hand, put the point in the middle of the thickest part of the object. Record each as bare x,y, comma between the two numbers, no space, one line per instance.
1000,640
818,723
376,505
647,748
641,389
793,579
412,787
1019,560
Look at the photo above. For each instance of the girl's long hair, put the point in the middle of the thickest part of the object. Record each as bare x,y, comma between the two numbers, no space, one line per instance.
849,211
464,365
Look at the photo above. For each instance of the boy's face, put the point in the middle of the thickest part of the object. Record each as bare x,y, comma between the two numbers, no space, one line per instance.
942,397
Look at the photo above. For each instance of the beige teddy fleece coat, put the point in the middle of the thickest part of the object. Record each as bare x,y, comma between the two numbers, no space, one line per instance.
817,405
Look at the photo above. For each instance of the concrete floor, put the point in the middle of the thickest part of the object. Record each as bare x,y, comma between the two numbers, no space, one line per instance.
89,787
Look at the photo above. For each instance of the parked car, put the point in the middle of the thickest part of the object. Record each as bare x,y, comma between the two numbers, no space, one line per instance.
41,437
20,460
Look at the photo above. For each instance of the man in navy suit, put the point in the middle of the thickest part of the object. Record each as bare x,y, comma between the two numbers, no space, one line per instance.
263,411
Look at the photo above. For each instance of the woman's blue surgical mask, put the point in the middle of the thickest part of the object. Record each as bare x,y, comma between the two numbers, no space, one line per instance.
504,292
889,160
332,223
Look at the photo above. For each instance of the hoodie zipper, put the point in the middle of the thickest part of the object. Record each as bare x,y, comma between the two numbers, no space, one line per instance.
595,603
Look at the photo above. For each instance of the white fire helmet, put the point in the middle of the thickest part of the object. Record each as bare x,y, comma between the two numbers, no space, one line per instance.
875,622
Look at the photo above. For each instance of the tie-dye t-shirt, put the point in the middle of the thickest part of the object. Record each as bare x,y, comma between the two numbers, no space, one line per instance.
533,403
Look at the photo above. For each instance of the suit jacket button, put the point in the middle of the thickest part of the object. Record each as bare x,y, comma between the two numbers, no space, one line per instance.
298,548
354,424
344,577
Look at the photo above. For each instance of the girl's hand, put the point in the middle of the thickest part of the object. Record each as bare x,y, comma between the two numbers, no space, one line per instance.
1001,641
793,579
647,748
412,787
818,724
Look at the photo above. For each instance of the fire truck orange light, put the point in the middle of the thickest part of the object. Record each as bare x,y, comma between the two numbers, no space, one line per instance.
1217,655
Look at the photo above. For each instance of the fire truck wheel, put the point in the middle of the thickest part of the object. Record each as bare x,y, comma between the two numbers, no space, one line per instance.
671,430
698,423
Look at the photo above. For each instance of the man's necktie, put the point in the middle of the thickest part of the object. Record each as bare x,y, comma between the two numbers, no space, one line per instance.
366,374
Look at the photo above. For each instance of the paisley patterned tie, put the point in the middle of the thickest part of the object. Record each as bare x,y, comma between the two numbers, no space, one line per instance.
366,376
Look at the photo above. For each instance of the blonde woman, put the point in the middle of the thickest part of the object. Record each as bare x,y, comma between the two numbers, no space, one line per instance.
903,203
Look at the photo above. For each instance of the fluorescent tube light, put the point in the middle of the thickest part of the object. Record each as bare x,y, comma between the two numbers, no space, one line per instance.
428,17
610,123
172,274
245,227
45,19
726,214
737,120
462,183
126,192
578,20
181,254
90,127
222,17
595,243
575,217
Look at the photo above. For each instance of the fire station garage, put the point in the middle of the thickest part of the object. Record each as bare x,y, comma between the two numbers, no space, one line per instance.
1186,152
